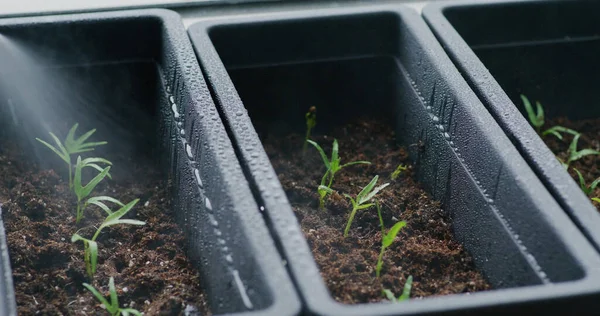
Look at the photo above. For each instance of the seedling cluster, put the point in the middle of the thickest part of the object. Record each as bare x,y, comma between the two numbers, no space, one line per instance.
536,118
363,200
82,192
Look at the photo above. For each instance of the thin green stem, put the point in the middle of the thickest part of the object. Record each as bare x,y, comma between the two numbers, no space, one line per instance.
306,140
350,219
379,262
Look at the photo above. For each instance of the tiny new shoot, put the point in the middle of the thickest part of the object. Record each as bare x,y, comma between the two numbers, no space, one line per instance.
587,189
386,239
537,119
333,165
83,191
72,146
575,154
112,307
405,292
311,122
398,171
596,200
364,196
91,246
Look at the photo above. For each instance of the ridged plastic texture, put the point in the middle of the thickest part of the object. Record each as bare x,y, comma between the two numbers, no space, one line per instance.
545,53
7,296
240,267
283,63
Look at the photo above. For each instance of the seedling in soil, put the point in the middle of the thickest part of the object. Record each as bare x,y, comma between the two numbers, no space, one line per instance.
536,118
72,146
587,189
113,307
398,171
91,246
405,292
386,239
364,196
596,200
83,191
333,166
311,121
575,154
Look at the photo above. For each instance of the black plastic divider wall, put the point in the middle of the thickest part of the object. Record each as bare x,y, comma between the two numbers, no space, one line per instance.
140,65
7,296
384,60
548,52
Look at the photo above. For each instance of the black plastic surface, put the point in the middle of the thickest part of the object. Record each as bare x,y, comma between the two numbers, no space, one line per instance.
384,61
133,76
548,52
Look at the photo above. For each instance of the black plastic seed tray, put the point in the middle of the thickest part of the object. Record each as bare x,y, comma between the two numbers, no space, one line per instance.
546,52
138,69
384,60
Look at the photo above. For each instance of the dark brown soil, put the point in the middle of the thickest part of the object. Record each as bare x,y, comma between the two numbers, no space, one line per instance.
589,166
425,248
151,271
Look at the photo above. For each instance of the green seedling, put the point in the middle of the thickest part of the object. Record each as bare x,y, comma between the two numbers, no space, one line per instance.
405,292
333,166
364,196
113,307
596,200
575,154
398,171
587,189
91,246
311,121
537,119
386,239
72,146
83,191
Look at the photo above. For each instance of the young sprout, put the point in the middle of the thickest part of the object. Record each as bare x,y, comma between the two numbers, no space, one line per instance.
333,166
364,196
536,118
91,246
596,200
405,292
398,171
575,154
311,121
585,188
386,239
72,146
113,307
83,191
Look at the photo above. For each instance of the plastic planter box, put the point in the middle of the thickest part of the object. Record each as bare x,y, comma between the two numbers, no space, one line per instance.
546,51
149,54
519,236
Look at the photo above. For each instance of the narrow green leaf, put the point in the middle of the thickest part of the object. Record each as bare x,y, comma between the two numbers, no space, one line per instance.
356,163
113,292
99,201
596,200
366,189
95,166
573,146
62,155
380,218
321,152
584,152
79,141
407,288
533,118
594,184
87,161
93,252
582,185
334,151
388,239
126,311
373,193
540,113
70,139
364,206
77,237
122,211
93,144
97,294
389,295
88,188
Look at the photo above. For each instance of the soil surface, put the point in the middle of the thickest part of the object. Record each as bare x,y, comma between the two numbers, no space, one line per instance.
425,248
589,166
148,263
